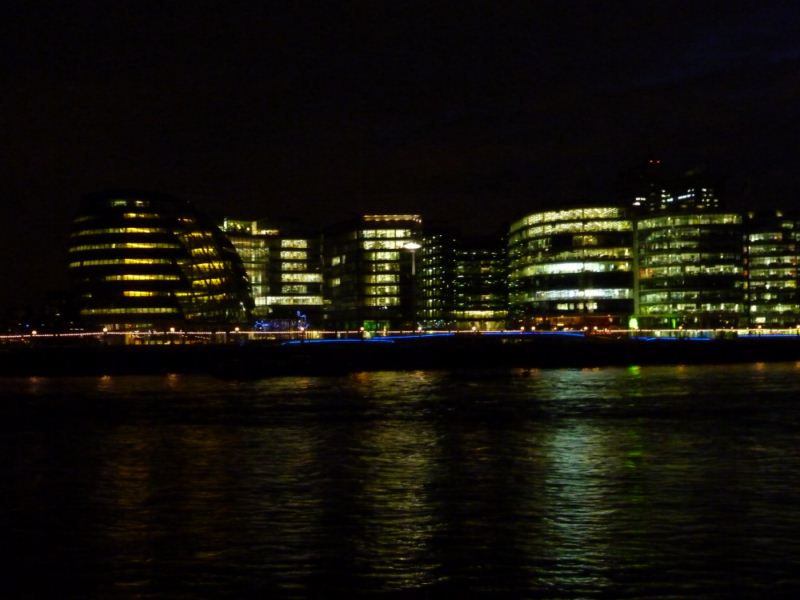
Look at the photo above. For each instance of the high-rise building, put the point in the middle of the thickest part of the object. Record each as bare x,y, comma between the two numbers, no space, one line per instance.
772,242
436,273
369,272
143,260
571,267
461,284
649,188
284,268
690,270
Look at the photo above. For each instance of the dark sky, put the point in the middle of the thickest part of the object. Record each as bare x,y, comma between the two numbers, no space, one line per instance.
476,113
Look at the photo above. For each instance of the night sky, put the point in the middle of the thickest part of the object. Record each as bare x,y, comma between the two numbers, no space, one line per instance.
476,113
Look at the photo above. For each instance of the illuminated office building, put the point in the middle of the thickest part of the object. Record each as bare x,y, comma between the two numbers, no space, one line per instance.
772,277
436,262
284,270
571,268
369,272
461,284
649,188
690,270
143,260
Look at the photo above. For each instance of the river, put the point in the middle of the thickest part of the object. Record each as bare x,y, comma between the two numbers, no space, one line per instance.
663,481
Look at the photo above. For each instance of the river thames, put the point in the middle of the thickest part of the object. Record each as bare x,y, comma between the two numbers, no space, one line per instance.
663,481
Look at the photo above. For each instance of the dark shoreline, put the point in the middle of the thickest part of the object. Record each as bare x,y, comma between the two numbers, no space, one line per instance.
260,359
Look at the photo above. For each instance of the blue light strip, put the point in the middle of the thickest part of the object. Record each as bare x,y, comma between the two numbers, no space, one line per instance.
342,341
413,336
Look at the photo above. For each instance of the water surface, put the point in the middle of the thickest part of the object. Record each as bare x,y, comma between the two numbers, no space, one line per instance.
640,482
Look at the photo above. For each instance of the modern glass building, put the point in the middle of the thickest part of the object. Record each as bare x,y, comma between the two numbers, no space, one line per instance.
771,267
649,188
690,270
571,268
144,260
284,268
436,266
461,284
369,272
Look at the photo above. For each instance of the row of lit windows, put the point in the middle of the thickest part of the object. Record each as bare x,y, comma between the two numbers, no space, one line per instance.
210,297
774,308
208,282
143,293
124,246
383,244
294,300
767,261
382,301
301,277
766,236
294,255
675,296
294,289
687,257
770,249
130,310
378,256
116,202
773,272
572,255
141,277
590,306
209,266
294,243
671,271
203,251
381,290
600,293
381,267
379,218
773,295
689,220
381,278
572,267
384,233
138,215
573,227
573,214
294,266
767,284
678,308
670,244
118,230
121,261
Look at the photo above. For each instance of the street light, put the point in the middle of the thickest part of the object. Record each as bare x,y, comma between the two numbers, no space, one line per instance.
412,247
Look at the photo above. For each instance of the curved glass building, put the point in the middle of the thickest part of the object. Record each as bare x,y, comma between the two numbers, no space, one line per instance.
144,260
690,270
571,268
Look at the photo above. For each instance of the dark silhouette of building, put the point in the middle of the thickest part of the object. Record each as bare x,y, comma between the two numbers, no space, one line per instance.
144,260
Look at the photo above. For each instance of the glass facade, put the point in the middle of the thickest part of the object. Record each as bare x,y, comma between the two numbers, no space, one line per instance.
690,270
771,264
571,267
369,268
139,261
461,284
284,270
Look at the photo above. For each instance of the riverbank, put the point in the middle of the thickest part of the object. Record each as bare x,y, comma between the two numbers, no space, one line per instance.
317,357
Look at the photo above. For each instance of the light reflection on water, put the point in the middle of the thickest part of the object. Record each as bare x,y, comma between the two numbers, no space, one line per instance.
639,481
